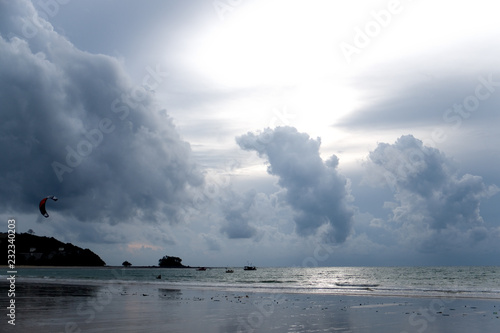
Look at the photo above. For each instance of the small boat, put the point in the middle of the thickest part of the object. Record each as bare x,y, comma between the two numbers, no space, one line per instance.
202,269
229,271
249,268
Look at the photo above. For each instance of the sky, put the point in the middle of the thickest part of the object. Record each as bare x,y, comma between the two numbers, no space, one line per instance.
277,133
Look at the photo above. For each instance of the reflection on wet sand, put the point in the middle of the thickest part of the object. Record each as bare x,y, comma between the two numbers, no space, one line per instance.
149,308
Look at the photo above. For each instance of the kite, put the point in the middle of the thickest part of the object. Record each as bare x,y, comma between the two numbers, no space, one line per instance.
42,204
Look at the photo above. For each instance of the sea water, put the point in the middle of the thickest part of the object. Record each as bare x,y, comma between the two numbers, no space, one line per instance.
469,281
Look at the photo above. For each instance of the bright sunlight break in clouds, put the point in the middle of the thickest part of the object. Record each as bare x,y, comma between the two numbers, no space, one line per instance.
225,131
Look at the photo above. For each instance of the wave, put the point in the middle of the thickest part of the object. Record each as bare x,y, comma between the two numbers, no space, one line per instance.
270,281
360,285
276,286
367,281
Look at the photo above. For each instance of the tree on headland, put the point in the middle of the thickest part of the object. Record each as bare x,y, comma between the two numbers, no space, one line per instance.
126,264
35,250
168,261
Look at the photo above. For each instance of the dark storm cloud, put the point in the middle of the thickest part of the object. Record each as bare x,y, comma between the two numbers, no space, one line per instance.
73,125
315,190
433,201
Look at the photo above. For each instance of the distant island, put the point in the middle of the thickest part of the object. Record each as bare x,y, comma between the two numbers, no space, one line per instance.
48,251
171,262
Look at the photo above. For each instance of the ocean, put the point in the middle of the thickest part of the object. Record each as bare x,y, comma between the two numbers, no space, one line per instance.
460,282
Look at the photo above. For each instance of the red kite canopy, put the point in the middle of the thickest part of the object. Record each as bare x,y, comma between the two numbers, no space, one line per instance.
42,205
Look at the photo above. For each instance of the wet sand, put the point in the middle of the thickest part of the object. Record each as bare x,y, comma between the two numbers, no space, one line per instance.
153,308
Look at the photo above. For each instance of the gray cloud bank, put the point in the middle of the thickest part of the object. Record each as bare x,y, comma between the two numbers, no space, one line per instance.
74,125
452,87
318,194
237,213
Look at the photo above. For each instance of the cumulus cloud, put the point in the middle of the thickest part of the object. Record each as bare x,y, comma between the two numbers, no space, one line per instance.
433,202
318,194
74,125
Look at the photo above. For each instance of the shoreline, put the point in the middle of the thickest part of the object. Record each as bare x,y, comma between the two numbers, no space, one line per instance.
248,288
117,266
62,307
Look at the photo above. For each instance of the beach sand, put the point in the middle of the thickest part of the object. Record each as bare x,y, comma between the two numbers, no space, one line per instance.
154,308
